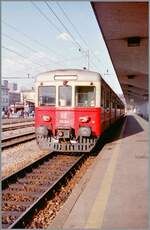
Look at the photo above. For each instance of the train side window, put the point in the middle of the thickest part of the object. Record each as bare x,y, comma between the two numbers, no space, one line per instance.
118,105
107,99
65,95
102,97
85,96
112,102
47,95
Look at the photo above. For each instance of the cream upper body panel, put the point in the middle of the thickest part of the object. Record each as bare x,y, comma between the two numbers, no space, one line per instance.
76,74
74,78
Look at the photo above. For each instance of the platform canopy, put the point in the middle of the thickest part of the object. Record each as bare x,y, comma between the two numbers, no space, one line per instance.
124,26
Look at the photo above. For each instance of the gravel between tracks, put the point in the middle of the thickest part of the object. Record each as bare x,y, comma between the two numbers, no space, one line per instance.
16,132
15,158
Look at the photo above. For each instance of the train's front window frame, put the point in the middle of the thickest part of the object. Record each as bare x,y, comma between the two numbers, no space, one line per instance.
64,99
44,97
85,98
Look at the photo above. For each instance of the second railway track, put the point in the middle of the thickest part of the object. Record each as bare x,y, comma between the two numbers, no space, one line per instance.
24,192
14,126
12,140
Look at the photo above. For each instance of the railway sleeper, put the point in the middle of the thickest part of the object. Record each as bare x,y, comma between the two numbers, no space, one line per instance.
33,181
18,203
30,195
13,214
28,189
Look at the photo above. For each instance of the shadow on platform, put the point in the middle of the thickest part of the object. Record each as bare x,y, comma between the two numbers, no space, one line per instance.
113,133
132,126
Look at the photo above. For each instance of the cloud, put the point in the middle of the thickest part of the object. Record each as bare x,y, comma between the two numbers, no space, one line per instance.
64,36
97,52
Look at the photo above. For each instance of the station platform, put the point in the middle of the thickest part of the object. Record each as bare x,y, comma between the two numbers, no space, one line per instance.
113,194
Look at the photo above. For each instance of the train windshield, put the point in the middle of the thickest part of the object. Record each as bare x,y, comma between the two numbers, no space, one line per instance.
47,95
85,96
65,95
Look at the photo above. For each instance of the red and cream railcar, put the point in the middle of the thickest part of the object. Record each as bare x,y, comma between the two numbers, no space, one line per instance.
73,108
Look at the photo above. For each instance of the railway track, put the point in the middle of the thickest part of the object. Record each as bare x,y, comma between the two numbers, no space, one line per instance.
10,121
26,191
17,139
14,126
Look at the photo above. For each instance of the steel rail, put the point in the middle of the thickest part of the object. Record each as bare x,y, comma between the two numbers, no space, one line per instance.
17,139
9,121
24,217
17,126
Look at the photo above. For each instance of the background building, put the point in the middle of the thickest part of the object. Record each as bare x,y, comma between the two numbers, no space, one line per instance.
14,94
28,99
12,86
14,97
4,95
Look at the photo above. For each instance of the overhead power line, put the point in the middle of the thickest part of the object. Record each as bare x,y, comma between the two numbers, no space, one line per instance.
32,40
66,16
7,36
45,16
67,30
15,52
12,77
73,40
29,37
24,45
74,27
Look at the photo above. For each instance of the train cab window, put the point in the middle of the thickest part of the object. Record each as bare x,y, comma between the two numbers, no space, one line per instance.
47,96
65,95
85,96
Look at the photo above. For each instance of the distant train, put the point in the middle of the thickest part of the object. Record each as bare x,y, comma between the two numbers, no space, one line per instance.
73,108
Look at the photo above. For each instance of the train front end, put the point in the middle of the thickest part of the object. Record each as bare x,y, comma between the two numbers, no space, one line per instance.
67,118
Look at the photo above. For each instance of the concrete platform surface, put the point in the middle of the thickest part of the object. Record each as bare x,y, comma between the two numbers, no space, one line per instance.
113,194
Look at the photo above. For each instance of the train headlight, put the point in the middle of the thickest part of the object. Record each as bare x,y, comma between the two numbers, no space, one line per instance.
46,118
84,119
84,131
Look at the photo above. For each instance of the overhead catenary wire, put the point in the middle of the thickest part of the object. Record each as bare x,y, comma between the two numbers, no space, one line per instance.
67,30
32,39
67,17
73,40
21,43
29,37
31,49
16,77
45,16
74,27
15,52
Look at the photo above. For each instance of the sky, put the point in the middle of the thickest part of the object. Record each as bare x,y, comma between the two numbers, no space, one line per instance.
40,36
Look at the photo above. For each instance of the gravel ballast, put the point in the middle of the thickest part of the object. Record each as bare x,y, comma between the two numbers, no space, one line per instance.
15,158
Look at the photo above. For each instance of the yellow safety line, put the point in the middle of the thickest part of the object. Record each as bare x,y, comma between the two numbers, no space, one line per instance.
95,219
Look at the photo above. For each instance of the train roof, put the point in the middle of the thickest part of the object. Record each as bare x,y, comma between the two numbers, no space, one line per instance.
76,74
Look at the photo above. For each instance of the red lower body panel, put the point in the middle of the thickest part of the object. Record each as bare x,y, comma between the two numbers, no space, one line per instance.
69,117
98,119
